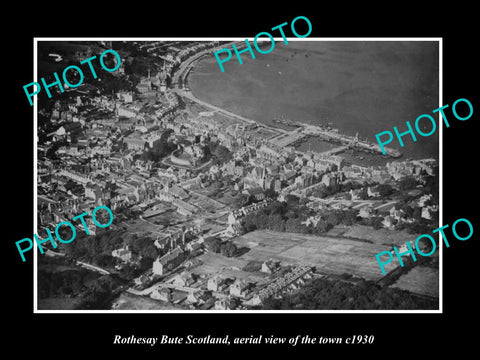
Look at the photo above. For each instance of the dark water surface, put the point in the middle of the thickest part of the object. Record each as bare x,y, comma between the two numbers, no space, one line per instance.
357,86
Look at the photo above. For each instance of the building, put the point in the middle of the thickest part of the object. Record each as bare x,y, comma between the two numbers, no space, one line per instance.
168,261
270,266
185,279
123,254
163,294
366,211
70,131
134,142
428,212
94,192
226,303
239,288
127,111
389,222
215,283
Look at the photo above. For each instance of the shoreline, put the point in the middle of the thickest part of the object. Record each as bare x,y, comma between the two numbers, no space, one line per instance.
345,119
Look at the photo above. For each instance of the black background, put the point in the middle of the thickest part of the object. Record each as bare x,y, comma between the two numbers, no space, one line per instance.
60,335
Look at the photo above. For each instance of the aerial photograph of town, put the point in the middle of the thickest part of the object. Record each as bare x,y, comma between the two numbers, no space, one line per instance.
260,188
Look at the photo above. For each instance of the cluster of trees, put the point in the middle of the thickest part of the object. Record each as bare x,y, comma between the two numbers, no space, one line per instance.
341,295
323,191
57,278
220,152
98,294
97,250
112,84
290,216
226,248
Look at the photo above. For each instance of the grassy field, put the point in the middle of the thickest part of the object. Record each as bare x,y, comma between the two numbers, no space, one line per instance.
381,236
328,255
420,280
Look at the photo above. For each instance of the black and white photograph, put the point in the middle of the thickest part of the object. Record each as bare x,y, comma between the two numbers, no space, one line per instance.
260,187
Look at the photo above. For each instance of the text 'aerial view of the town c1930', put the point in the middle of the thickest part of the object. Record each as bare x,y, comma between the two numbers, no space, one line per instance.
258,188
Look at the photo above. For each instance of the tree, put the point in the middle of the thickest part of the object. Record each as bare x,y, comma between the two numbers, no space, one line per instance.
363,194
377,223
384,189
214,244
292,200
228,249
294,225
270,193
221,153
104,260
350,217
333,218
417,213
407,183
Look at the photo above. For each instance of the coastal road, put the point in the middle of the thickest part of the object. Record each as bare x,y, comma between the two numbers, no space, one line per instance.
189,95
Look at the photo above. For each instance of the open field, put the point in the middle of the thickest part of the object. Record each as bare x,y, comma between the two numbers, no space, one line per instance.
420,280
381,236
328,255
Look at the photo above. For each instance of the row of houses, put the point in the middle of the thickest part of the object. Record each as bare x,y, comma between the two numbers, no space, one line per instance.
290,281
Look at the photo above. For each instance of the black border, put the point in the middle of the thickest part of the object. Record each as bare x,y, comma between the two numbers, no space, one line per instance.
93,334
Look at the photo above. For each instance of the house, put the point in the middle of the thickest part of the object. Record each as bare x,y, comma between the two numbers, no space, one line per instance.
162,293
270,266
356,194
123,254
389,222
225,304
424,199
141,280
70,129
185,279
372,192
93,191
329,179
366,211
134,142
257,193
239,288
194,245
215,283
198,297
428,211
397,214
168,261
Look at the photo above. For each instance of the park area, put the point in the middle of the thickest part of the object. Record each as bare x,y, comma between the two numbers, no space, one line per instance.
329,255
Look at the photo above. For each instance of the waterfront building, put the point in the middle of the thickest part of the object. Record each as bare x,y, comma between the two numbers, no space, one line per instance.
168,261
